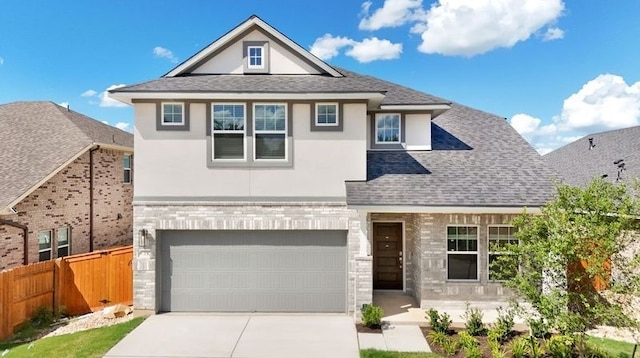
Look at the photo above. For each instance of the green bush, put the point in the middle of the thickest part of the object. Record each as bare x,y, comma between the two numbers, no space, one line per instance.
438,322
371,315
43,316
473,352
437,338
560,346
467,341
503,327
497,352
473,324
538,327
450,346
519,347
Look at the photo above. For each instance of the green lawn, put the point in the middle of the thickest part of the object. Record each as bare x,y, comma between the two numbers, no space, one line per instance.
615,348
372,353
91,343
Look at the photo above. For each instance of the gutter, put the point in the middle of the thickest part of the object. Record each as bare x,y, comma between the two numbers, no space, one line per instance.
25,237
91,187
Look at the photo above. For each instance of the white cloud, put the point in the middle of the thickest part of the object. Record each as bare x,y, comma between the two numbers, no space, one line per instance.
89,93
327,46
553,33
393,13
604,103
472,27
367,50
162,52
64,104
106,101
1,61
122,125
373,49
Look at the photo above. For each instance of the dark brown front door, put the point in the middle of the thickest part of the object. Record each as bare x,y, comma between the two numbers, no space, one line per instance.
387,256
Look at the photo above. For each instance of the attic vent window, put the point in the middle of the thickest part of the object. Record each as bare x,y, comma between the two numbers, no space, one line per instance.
255,57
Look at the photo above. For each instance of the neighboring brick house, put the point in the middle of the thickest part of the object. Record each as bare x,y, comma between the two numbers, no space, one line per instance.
54,160
269,180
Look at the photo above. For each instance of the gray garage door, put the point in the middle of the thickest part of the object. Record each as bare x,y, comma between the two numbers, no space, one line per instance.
253,271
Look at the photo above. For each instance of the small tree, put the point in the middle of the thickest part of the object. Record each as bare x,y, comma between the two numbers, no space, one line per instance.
572,243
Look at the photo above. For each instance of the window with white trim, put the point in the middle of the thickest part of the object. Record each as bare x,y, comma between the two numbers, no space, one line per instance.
462,253
63,241
326,114
255,57
228,127
270,131
172,113
499,240
44,245
387,128
126,165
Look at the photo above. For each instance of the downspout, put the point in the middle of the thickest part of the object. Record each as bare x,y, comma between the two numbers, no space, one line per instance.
25,237
91,196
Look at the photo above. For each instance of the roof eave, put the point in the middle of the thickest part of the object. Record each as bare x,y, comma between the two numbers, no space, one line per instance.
129,97
446,209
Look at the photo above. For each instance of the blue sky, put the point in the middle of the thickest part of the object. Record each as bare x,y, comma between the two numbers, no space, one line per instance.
556,70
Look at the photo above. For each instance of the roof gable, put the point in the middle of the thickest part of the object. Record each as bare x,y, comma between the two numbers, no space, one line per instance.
283,49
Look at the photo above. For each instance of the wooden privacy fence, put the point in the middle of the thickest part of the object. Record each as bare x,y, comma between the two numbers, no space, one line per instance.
80,283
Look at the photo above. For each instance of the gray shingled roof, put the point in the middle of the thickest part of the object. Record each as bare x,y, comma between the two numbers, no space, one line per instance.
478,159
36,138
351,82
576,164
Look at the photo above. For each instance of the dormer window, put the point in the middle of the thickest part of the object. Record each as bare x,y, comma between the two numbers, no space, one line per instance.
172,114
255,57
387,128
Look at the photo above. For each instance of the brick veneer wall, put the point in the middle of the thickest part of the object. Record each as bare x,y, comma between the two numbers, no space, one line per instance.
64,201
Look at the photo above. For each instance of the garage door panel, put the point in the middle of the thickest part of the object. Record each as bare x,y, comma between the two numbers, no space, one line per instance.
268,271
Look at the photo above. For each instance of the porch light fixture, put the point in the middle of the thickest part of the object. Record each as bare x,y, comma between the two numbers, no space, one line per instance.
142,240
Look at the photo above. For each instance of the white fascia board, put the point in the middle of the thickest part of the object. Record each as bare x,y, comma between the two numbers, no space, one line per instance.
127,97
240,29
415,107
446,209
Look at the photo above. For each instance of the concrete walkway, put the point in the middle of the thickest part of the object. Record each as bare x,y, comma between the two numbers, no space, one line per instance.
246,336
401,338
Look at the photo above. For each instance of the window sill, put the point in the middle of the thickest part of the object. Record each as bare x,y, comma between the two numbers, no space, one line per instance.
246,164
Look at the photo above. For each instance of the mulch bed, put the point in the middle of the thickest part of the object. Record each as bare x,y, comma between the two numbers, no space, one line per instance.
484,345
364,329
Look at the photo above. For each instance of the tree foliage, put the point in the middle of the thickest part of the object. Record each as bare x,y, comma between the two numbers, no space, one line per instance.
583,236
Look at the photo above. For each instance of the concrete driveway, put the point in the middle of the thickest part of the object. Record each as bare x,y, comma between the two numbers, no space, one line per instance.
240,336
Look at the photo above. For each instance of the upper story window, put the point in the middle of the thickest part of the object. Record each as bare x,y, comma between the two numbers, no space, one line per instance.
387,128
126,164
228,131
500,238
255,57
63,241
462,253
44,245
270,131
172,113
326,114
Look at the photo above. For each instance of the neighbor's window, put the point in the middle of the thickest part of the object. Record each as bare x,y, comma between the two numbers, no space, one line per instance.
270,131
172,113
326,114
500,237
254,58
44,245
126,164
228,131
387,128
462,253
63,242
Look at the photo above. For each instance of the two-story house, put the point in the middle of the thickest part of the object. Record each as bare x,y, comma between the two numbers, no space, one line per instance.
66,183
269,180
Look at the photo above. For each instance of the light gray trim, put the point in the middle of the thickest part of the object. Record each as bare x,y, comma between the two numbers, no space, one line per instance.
250,162
183,127
338,200
337,128
265,56
390,146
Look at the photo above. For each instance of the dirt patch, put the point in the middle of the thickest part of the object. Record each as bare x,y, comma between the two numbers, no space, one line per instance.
364,329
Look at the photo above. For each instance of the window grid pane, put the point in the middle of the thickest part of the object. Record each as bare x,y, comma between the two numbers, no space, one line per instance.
228,131
388,128
500,237
172,113
44,245
270,131
462,255
327,114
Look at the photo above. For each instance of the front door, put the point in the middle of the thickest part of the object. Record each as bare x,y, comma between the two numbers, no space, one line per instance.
387,256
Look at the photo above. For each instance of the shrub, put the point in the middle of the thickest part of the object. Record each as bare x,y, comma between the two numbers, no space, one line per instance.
538,327
467,341
439,322
438,338
504,324
560,346
371,315
450,346
43,316
519,347
473,318
473,352
497,352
